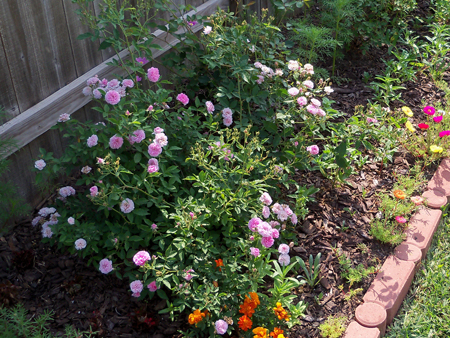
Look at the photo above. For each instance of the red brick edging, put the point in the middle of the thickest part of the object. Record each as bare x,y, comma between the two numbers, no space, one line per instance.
386,293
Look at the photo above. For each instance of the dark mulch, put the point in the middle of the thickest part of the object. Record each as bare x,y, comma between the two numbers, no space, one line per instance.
338,221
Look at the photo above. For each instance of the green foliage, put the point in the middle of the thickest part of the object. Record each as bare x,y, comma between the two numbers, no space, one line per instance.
312,273
333,327
353,274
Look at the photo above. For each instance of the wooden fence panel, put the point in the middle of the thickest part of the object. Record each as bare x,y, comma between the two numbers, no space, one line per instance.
36,43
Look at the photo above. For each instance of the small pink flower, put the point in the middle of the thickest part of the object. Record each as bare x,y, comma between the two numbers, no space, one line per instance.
158,130
97,94
275,233
64,117
302,101
161,138
112,97
260,79
154,227
438,119
192,215
308,84
137,137
252,238
372,120
92,141
71,220
207,30
136,286
283,249
429,110
400,219
100,160
253,223
221,326
92,81
266,211
80,244
293,91
284,260
264,229
254,252
312,109
128,83
266,199
209,107
154,149
152,286
227,112
296,143
267,242
115,142
294,219
86,91
141,257
153,74
138,78
40,164
444,133
228,120
150,108
313,150
183,98
105,266
86,170
127,206
153,165
417,200
94,191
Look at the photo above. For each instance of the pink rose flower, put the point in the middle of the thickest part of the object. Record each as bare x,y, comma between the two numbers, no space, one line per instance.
86,91
308,84
264,229
115,142
302,101
284,260
228,120
275,233
97,94
227,112
153,165
80,244
293,91
283,249
152,286
266,211
313,150
40,164
294,219
94,191
92,141
154,226
253,223
154,149
221,326
312,109
112,97
254,252
127,206
183,98
137,137
153,74
67,191
266,199
209,107
136,287
267,242
105,266
64,117
128,83
141,257
71,220
158,130
316,103
161,138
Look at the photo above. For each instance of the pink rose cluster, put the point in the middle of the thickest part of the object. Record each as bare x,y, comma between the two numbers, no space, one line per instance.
265,72
47,217
227,115
113,90
155,148
314,108
266,231
284,213
66,191
136,287
284,258
307,69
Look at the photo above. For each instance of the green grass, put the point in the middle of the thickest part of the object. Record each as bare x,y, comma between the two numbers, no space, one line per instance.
426,309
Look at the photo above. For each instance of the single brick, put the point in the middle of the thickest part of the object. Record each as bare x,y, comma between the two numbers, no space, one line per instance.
421,228
408,252
391,285
441,179
356,330
372,315
445,163
435,198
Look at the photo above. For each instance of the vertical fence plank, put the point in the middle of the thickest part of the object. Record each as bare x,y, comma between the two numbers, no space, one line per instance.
8,99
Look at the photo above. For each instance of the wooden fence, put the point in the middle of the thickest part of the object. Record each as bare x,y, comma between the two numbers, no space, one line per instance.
43,68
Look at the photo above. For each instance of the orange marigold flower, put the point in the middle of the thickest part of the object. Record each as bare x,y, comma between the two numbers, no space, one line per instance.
255,298
245,323
280,312
399,194
260,332
276,332
196,317
247,309
219,263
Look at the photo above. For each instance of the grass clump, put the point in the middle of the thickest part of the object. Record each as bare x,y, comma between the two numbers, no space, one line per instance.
353,274
333,327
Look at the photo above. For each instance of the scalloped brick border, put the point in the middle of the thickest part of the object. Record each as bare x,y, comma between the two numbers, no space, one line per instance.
389,288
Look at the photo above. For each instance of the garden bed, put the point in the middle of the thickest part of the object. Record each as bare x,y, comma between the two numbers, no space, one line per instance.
337,226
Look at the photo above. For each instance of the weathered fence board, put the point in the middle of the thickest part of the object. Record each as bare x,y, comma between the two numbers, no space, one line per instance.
8,99
39,118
